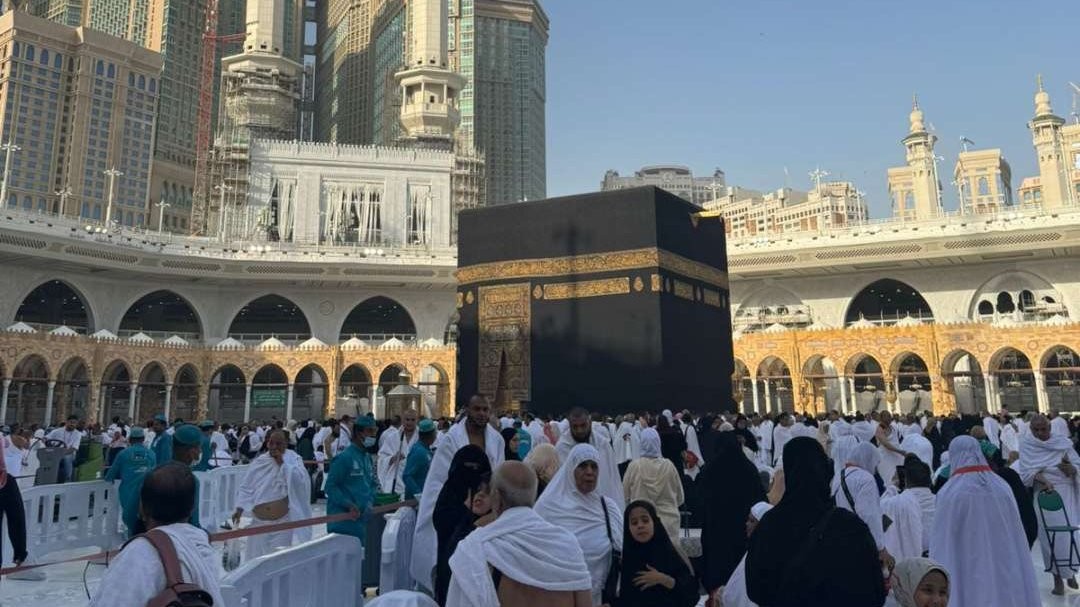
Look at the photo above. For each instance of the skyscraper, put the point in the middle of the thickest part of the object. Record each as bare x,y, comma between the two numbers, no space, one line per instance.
499,47
343,70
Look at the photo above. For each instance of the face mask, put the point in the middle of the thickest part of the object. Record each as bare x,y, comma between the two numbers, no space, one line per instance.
369,441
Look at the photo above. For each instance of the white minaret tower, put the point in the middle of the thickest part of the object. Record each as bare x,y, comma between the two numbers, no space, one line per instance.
1045,129
429,108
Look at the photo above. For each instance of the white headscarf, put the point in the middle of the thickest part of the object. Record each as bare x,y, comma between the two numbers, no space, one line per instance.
1038,455
907,576
650,443
667,413
583,515
841,452
759,510
978,536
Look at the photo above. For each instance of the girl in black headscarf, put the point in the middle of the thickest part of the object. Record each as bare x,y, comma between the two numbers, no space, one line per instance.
732,486
653,571
510,444
672,443
801,543
469,472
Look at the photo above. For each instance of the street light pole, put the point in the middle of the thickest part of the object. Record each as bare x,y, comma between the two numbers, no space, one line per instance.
63,194
112,174
161,214
8,147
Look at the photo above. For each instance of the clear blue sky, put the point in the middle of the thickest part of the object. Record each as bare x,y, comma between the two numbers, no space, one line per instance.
756,85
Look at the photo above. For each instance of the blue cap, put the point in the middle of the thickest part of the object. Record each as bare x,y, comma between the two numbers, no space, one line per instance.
161,418
188,435
364,422
425,426
136,432
206,424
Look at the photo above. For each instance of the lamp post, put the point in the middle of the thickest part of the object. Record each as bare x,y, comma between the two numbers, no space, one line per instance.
112,174
8,148
161,214
63,194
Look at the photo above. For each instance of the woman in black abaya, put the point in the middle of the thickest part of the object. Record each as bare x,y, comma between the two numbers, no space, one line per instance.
732,486
469,473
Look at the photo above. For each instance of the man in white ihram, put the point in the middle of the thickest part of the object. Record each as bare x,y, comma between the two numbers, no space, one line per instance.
519,559
275,489
136,575
393,449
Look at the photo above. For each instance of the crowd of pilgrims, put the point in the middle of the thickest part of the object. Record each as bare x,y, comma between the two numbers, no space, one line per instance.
857,510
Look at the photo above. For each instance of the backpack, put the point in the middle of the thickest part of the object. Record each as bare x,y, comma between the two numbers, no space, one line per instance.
176,593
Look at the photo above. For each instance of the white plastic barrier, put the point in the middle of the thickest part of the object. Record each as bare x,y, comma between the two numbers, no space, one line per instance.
396,556
321,573
69,516
403,598
217,495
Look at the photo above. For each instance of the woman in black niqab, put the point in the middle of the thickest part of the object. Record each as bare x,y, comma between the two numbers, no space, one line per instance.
732,486
788,566
656,554
469,470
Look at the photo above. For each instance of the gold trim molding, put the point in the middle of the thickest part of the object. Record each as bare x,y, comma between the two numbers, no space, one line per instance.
614,261
587,288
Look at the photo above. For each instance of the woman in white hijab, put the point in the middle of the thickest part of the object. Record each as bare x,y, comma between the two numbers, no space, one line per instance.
855,489
572,502
919,582
978,536
913,442
653,478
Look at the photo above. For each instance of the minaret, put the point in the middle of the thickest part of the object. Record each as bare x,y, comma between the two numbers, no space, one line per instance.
429,108
1046,135
920,158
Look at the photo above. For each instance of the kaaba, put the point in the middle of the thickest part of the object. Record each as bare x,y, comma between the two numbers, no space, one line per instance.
615,301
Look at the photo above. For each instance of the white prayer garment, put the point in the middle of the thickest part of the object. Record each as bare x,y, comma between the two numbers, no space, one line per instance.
402,598
780,437
564,506
978,536
627,444
1043,457
424,541
506,422
219,442
536,432
734,593
265,481
889,459
917,444
525,548
692,445
70,439
864,500
222,459
392,456
864,430
609,482
136,575
904,537
993,430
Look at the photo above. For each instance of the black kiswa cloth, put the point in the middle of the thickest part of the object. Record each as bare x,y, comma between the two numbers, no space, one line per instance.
660,554
806,552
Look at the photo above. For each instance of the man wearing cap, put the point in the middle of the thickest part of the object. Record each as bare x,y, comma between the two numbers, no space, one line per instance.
131,466
187,449
351,484
163,441
206,461
419,460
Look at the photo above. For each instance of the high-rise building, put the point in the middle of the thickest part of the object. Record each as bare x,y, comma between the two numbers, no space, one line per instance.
79,115
830,205
916,188
676,179
344,70
499,47
389,31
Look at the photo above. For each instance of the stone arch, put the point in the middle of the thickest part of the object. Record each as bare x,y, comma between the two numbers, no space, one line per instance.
355,384
185,395
377,319
28,392
1013,386
164,312
868,382
269,393
913,384
116,391
963,376
268,315
1060,366
311,387
742,386
1045,300
821,377
775,375
57,302
150,393
434,385
72,395
887,301
227,394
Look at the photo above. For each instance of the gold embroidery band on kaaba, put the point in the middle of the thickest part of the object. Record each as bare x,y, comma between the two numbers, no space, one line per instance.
587,288
614,261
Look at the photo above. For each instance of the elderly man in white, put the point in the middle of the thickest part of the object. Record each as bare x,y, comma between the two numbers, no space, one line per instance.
393,450
275,489
537,563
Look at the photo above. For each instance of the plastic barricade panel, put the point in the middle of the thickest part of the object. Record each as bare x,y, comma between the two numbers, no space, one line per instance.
396,550
320,573
67,517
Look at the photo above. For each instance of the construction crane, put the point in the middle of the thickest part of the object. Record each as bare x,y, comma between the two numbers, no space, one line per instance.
211,39
1076,102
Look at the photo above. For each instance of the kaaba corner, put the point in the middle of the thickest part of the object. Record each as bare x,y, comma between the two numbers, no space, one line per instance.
615,301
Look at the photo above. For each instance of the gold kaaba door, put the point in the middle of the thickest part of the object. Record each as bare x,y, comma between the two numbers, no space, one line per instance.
505,324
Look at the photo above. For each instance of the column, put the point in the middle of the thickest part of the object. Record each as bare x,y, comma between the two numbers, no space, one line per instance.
768,396
168,401
753,384
247,403
989,384
288,404
843,394
49,402
93,392
854,396
1040,391
133,395
3,402
202,406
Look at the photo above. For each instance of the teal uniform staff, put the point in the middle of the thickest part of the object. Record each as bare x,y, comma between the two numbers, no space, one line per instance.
207,450
351,484
419,460
162,445
131,466
187,448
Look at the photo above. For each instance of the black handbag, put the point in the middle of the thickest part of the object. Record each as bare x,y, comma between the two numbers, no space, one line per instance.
611,584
